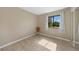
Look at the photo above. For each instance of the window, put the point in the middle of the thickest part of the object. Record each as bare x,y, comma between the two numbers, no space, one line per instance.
54,21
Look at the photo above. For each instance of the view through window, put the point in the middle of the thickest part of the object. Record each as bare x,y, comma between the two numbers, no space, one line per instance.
54,21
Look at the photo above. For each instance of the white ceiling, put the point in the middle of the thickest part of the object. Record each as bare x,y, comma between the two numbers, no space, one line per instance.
41,10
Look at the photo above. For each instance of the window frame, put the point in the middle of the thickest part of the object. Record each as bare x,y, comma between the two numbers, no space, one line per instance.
62,23
54,19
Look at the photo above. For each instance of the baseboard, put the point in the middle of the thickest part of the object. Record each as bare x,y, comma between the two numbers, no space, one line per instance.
76,42
54,37
29,35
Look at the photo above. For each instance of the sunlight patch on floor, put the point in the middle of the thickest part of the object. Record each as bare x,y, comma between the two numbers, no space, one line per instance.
48,44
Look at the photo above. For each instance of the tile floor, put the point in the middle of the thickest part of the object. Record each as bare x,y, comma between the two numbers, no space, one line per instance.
40,43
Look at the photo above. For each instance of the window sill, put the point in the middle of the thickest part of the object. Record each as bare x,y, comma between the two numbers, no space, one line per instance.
56,30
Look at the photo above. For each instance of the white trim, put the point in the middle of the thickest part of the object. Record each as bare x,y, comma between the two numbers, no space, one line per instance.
29,35
74,28
54,37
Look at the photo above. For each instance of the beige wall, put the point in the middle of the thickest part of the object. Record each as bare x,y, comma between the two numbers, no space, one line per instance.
42,23
15,23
